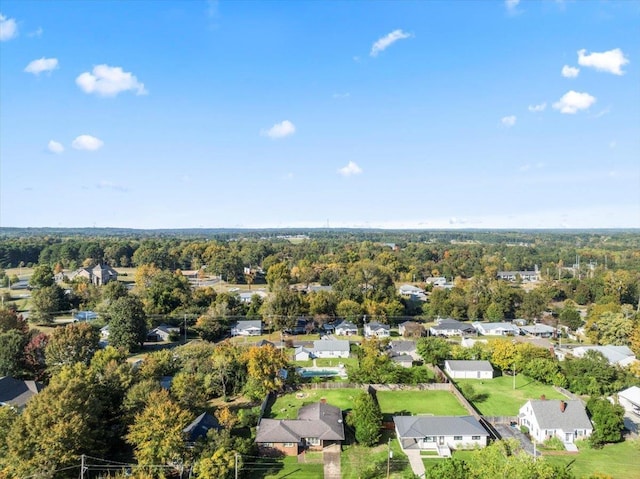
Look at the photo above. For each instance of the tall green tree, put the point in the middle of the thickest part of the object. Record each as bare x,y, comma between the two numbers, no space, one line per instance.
48,301
366,419
57,425
11,356
42,276
127,323
608,421
73,343
433,350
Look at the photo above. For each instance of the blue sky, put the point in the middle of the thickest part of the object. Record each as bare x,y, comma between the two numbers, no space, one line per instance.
456,114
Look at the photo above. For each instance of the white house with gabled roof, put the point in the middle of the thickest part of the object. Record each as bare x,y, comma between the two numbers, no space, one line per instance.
565,419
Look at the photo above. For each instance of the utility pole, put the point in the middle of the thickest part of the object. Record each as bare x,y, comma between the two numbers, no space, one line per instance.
236,466
82,468
388,457
185,328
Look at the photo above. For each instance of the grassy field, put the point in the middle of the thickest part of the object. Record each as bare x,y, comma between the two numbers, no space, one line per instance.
500,399
355,459
617,460
439,403
286,407
288,467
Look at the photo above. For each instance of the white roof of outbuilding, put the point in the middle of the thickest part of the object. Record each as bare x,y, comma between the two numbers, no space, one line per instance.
631,394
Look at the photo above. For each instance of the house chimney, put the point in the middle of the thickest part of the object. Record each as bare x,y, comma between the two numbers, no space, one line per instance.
563,406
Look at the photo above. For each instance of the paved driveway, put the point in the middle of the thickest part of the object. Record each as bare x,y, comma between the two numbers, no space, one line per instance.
331,460
507,432
415,460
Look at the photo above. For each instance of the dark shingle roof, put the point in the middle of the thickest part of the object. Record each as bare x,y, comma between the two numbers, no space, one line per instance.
16,392
421,426
200,427
319,420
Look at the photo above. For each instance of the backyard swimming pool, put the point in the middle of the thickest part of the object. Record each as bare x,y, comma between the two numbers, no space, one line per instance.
317,373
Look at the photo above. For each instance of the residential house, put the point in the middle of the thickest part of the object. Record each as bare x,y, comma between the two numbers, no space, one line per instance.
331,348
104,332
346,328
247,296
411,329
539,330
316,288
247,328
524,276
162,332
85,316
400,348
98,275
616,355
199,428
265,343
629,399
496,329
412,292
16,393
404,360
377,330
302,354
468,369
451,327
547,418
439,281
318,425
440,433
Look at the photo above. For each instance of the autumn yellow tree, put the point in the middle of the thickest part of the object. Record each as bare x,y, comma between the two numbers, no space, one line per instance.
226,418
157,434
264,366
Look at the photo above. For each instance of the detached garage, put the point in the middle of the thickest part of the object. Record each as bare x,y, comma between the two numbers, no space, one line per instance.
468,369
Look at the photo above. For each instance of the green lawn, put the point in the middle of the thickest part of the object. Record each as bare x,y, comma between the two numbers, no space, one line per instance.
438,403
288,466
333,362
356,459
500,399
286,407
617,460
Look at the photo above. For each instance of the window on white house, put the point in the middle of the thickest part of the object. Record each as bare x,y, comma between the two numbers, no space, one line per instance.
475,438
457,438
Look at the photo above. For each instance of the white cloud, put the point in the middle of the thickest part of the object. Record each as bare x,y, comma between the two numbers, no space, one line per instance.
340,96
55,147
8,28
570,72
109,81
509,121
538,108
511,5
351,169
610,61
386,41
87,142
573,101
42,65
36,33
280,130
613,144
